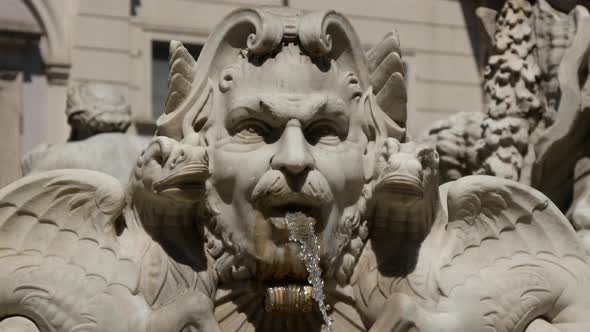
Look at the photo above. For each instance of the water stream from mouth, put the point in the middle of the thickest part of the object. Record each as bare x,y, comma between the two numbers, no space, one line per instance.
301,230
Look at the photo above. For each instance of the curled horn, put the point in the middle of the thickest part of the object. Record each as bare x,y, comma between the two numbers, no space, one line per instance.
330,34
244,28
313,34
268,35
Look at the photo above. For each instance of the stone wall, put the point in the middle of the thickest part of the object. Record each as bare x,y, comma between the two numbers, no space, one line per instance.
110,42
111,45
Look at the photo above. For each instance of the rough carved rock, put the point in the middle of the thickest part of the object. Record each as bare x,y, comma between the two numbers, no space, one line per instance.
455,140
514,104
535,125
279,118
521,84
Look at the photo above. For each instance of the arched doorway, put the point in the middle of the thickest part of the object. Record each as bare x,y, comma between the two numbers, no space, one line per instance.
34,67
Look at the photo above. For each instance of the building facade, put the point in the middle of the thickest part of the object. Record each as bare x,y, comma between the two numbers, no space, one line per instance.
47,44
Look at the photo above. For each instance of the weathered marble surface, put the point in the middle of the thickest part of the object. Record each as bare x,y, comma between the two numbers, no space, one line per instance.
98,115
285,127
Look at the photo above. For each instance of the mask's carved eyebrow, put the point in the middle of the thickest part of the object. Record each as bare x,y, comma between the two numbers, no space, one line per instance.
249,103
304,107
332,108
247,107
278,108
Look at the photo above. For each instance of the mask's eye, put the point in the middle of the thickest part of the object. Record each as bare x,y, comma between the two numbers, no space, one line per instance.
323,132
251,132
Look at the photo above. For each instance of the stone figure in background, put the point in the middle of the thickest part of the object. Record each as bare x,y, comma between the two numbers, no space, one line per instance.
281,193
520,87
99,115
535,126
96,108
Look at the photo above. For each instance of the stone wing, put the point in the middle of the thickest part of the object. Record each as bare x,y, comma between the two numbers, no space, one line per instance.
59,249
507,256
503,218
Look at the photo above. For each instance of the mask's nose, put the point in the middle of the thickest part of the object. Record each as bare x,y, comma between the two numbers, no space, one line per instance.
293,156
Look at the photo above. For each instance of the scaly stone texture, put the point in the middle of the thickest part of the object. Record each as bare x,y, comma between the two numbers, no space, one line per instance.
514,106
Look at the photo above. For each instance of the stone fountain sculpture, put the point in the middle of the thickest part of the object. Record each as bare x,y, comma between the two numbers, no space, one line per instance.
282,194
98,114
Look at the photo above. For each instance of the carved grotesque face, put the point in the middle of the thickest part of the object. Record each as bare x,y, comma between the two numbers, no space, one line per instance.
406,187
407,172
288,139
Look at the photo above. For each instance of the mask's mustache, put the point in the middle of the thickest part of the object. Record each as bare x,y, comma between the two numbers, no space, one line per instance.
274,189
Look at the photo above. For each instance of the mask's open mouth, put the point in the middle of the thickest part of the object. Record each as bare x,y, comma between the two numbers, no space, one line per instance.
277,250
289,264
301,231
277,215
